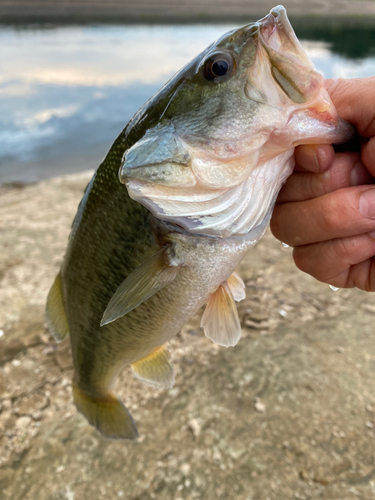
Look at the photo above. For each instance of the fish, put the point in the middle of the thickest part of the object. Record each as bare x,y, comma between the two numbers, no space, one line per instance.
186,190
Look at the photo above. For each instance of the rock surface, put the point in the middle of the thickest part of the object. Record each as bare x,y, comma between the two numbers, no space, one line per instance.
289,413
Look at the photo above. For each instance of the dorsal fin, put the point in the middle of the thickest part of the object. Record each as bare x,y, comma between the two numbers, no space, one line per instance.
55,312
155,369
220,320
140,285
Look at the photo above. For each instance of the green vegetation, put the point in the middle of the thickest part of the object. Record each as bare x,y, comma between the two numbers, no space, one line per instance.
352,42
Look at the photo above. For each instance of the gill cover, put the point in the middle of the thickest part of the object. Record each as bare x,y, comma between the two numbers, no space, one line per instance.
159,157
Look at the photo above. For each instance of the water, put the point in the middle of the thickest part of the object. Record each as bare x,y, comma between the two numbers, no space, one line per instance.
66,92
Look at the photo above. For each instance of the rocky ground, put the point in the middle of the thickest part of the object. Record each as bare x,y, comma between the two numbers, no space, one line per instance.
289,413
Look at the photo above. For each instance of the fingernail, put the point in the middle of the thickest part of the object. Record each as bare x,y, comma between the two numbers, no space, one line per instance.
313,160
324,156
359,174
367,203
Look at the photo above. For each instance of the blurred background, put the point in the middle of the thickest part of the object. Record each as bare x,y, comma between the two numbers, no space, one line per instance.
287,414
73,73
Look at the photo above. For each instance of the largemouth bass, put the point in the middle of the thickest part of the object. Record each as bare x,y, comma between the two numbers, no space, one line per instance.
185,191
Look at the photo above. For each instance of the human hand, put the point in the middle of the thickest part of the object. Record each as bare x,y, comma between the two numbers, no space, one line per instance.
326,210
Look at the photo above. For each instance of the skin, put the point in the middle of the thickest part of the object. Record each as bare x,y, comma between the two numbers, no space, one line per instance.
326,210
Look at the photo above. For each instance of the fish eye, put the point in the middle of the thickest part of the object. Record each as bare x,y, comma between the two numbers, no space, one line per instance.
217,66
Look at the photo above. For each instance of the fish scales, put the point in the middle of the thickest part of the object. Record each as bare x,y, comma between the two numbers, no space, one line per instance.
186,190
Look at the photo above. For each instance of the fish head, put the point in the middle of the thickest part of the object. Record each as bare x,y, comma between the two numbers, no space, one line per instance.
221,134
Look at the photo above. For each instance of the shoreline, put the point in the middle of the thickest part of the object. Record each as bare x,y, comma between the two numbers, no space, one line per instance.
46,21
178,11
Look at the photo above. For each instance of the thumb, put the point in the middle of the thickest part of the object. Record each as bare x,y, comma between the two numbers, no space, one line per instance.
354,100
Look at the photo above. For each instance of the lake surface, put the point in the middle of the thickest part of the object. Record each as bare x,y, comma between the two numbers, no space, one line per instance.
66,92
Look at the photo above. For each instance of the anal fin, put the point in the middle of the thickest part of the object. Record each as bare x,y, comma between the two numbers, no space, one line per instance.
220,320
155,369
107,414
55,312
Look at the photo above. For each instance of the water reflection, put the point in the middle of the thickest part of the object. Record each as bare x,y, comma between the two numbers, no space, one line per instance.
351,42
66,93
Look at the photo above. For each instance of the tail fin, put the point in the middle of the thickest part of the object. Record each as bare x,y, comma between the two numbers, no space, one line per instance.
107,414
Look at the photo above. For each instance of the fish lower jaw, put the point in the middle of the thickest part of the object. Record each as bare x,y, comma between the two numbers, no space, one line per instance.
236,212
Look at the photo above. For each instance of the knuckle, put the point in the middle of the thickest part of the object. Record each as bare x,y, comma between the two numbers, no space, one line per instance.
335,212
329,218
314,186
343,249
319,185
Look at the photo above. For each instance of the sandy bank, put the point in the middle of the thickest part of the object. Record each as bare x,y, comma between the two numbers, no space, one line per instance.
288,413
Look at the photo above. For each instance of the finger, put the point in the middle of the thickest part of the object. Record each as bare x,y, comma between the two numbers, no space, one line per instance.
345,262
354,100
368,155
360,275
346,212
346,170
314,158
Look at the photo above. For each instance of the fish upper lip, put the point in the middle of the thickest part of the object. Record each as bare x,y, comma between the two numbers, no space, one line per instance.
277,18
265,27
277,22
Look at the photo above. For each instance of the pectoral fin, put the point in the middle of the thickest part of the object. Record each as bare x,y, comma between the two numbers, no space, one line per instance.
220,320
155,369
140,285
55,311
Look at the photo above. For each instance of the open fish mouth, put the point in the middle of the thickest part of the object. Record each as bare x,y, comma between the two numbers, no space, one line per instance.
217,159
301,91
277,33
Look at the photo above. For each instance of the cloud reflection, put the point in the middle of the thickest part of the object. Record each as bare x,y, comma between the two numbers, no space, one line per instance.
66,93
102,56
